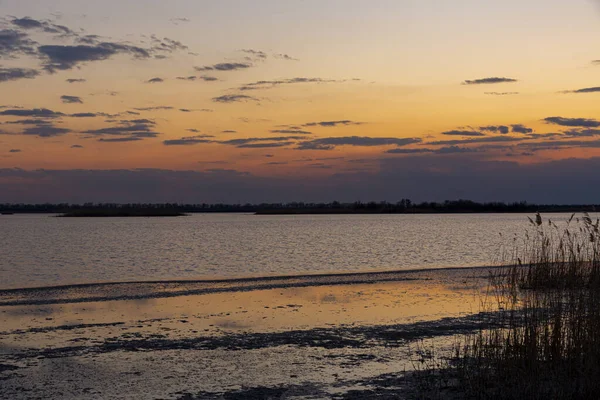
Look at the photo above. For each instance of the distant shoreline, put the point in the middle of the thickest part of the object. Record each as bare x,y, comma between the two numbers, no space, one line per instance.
120,212
404,206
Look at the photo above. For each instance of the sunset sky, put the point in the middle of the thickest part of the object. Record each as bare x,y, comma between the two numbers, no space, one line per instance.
300,100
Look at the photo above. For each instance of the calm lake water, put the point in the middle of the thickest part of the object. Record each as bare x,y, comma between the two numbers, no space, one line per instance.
40,250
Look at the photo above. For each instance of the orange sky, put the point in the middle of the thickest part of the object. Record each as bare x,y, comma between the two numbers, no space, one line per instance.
304,89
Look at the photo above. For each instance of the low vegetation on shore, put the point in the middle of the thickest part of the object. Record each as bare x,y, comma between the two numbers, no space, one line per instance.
124,212
546,342
403,206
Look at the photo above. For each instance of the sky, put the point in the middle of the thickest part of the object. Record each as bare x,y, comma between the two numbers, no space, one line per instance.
307,100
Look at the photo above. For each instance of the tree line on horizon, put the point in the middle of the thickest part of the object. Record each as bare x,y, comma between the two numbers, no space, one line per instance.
383,207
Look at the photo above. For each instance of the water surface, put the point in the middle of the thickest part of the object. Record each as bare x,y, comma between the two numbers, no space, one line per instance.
41,250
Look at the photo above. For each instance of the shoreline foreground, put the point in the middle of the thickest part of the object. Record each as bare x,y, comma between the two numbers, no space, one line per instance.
300,337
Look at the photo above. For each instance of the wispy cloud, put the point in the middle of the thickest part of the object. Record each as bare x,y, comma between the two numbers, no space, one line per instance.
130,130
285,57
255,53
519,128
332,124
224,67
486,81
501,93
503,129
57,57
359,141
13,74
28,23
154,108
273,83
486,139
188,141
586,90
71,99
581,122
13,43
233,98
462,133
192,78
291,132
33,112
442,150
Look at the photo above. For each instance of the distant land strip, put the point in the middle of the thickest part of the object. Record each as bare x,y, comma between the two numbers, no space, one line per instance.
404,206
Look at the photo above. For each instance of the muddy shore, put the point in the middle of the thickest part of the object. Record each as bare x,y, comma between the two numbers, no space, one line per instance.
342,337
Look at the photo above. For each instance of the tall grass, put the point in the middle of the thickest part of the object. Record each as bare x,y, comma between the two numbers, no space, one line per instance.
547,342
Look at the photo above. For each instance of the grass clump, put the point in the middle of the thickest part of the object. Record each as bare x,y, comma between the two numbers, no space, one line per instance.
546,344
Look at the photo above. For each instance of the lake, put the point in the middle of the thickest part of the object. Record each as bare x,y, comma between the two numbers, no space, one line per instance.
42,250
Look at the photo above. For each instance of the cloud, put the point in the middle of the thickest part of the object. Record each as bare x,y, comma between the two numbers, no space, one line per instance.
291,132
84,115
486,139
519,128
29,122
233,98
45,26
276,163
154,108
77,146
484,81
155,80
556,145
131,130
120,139
14,151
71,99
45,131
364,141
331,124
587,90
166,45
13,74
72,80
270,84
501,93
193,78
582,132
462,133
13,42
442,150
188,141
263,145
285,57
188,110
34,112
58,57
255,53
224,67
252,142
228,131
576,122
496,129
179,20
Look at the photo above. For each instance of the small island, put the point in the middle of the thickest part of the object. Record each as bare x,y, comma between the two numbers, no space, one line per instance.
123,212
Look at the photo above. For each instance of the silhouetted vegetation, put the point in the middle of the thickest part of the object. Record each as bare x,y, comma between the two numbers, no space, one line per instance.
546,344
123,212
404,206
